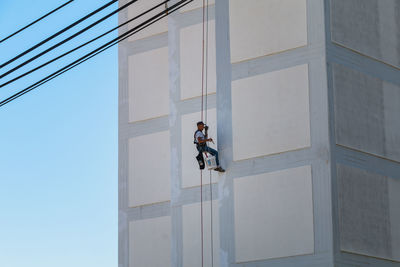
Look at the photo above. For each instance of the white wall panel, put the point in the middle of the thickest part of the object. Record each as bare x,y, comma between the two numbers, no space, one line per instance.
191,234
150,242
190,167
148,85
263,27
270,113
191,60
274,215
149,169
196,4
140,7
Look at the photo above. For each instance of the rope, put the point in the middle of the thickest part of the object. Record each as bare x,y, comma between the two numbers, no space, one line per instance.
206,110
202,112
204,85
201,216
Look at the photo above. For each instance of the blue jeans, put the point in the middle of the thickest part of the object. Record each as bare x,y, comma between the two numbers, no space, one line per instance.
209,150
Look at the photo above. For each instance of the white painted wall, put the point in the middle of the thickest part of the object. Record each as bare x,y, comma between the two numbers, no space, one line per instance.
157,28
148,85
196,4
270,113
192,234
191,60
272,212
274,215
149,169
260,27
150,242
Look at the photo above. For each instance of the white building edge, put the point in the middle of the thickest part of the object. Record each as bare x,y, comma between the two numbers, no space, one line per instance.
304,101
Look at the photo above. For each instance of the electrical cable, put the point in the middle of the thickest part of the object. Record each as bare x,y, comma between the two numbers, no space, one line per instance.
36,21
67,39
58,33
80,46
99,50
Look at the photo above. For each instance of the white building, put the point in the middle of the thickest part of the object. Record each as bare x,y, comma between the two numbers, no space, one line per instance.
304,101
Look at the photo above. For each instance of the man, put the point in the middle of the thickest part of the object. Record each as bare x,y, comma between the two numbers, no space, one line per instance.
201,140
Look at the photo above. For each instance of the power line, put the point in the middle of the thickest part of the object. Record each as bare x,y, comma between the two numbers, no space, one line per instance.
66,39
99,50
57,33
36,21
82,45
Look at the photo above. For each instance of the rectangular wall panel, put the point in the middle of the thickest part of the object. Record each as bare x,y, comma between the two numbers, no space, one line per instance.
150,242
149,169
394,210
196,4
274,215
138,8
263,27
366,113
271,113
370,27
191,60
368,213
148,85
191,226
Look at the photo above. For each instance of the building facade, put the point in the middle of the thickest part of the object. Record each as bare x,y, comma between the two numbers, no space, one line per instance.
304,103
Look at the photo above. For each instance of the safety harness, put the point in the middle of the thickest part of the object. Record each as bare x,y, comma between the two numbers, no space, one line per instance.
199,157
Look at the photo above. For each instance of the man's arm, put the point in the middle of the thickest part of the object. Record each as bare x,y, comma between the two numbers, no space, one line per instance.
204,140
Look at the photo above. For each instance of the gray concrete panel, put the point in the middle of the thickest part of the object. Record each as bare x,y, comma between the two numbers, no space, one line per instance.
366,112
364,215
394,202
358,110
369,27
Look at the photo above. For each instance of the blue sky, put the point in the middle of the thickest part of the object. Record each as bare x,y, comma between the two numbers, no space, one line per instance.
59,145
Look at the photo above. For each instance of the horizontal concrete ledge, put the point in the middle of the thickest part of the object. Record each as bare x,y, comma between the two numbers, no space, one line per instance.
146,44
194,16
135,129
290,159
345,259
277,61
316,260
192,195
193,105
148,211
368,162
362,63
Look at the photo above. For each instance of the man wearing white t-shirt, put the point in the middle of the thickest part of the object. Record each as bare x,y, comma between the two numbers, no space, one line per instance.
201,139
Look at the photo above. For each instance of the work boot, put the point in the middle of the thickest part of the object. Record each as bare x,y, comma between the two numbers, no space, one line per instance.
219,169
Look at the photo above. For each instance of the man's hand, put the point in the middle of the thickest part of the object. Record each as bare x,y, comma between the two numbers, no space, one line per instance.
206,127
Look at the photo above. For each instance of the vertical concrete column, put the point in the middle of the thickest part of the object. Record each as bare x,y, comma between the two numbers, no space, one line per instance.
175,138
224,118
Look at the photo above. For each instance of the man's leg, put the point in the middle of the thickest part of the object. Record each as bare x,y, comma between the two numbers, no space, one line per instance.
214,153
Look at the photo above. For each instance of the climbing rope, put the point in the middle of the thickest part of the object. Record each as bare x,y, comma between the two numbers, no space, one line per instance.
201,171
206,110
204,85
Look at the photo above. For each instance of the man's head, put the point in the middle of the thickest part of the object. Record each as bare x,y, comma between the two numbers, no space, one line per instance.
200,125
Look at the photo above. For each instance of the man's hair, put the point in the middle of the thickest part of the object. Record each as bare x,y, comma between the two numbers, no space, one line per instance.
200,123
